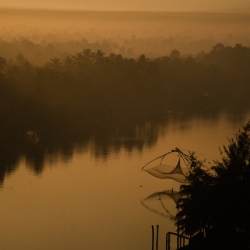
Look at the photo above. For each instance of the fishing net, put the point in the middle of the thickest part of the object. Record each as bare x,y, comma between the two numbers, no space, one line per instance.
164,171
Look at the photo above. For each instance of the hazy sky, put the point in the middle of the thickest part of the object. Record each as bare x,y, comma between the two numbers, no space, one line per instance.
154,5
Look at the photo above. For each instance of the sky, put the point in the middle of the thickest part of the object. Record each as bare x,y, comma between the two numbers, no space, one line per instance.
136,5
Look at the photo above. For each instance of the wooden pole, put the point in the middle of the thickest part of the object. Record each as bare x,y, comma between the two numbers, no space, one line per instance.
153,234
157,237
168,241
178,228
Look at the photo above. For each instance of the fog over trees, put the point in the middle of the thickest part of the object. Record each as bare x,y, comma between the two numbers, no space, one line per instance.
43,34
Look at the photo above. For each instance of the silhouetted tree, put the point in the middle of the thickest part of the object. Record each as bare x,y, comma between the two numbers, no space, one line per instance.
55,64
233,183
142,59
175,54
218,200
194,214
2,64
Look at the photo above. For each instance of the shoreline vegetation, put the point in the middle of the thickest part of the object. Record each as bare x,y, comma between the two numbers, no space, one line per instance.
214,208
72,89
93,96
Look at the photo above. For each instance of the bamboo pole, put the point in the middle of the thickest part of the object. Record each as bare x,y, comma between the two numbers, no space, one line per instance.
157,237
153,234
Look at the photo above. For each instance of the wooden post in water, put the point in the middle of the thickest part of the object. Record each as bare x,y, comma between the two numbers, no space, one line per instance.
153,235
178,228
168,241
178,232
157,237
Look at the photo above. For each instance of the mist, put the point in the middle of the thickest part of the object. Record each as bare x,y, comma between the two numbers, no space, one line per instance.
44,34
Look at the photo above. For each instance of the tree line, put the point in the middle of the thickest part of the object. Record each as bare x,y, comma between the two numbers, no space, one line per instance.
71,89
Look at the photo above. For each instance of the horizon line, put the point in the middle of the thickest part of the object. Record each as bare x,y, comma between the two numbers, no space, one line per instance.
237,11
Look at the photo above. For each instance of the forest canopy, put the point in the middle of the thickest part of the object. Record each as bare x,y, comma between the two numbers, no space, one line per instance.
68,89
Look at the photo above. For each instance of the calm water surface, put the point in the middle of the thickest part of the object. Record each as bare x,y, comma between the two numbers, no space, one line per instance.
86,201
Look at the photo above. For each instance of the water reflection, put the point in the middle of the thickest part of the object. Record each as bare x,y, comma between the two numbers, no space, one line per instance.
97,193
40,146
158,203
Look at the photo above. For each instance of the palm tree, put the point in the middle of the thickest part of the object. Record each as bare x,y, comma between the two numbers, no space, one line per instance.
68,63
142,59
99,56
28,66
88,53
56,63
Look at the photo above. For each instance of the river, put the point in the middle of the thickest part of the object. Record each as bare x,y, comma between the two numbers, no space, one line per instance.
89,198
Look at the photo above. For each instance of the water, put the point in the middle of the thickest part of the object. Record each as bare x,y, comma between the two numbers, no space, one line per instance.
85,199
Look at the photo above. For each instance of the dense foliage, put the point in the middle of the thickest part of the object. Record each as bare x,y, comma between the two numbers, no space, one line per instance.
217,201
68,89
